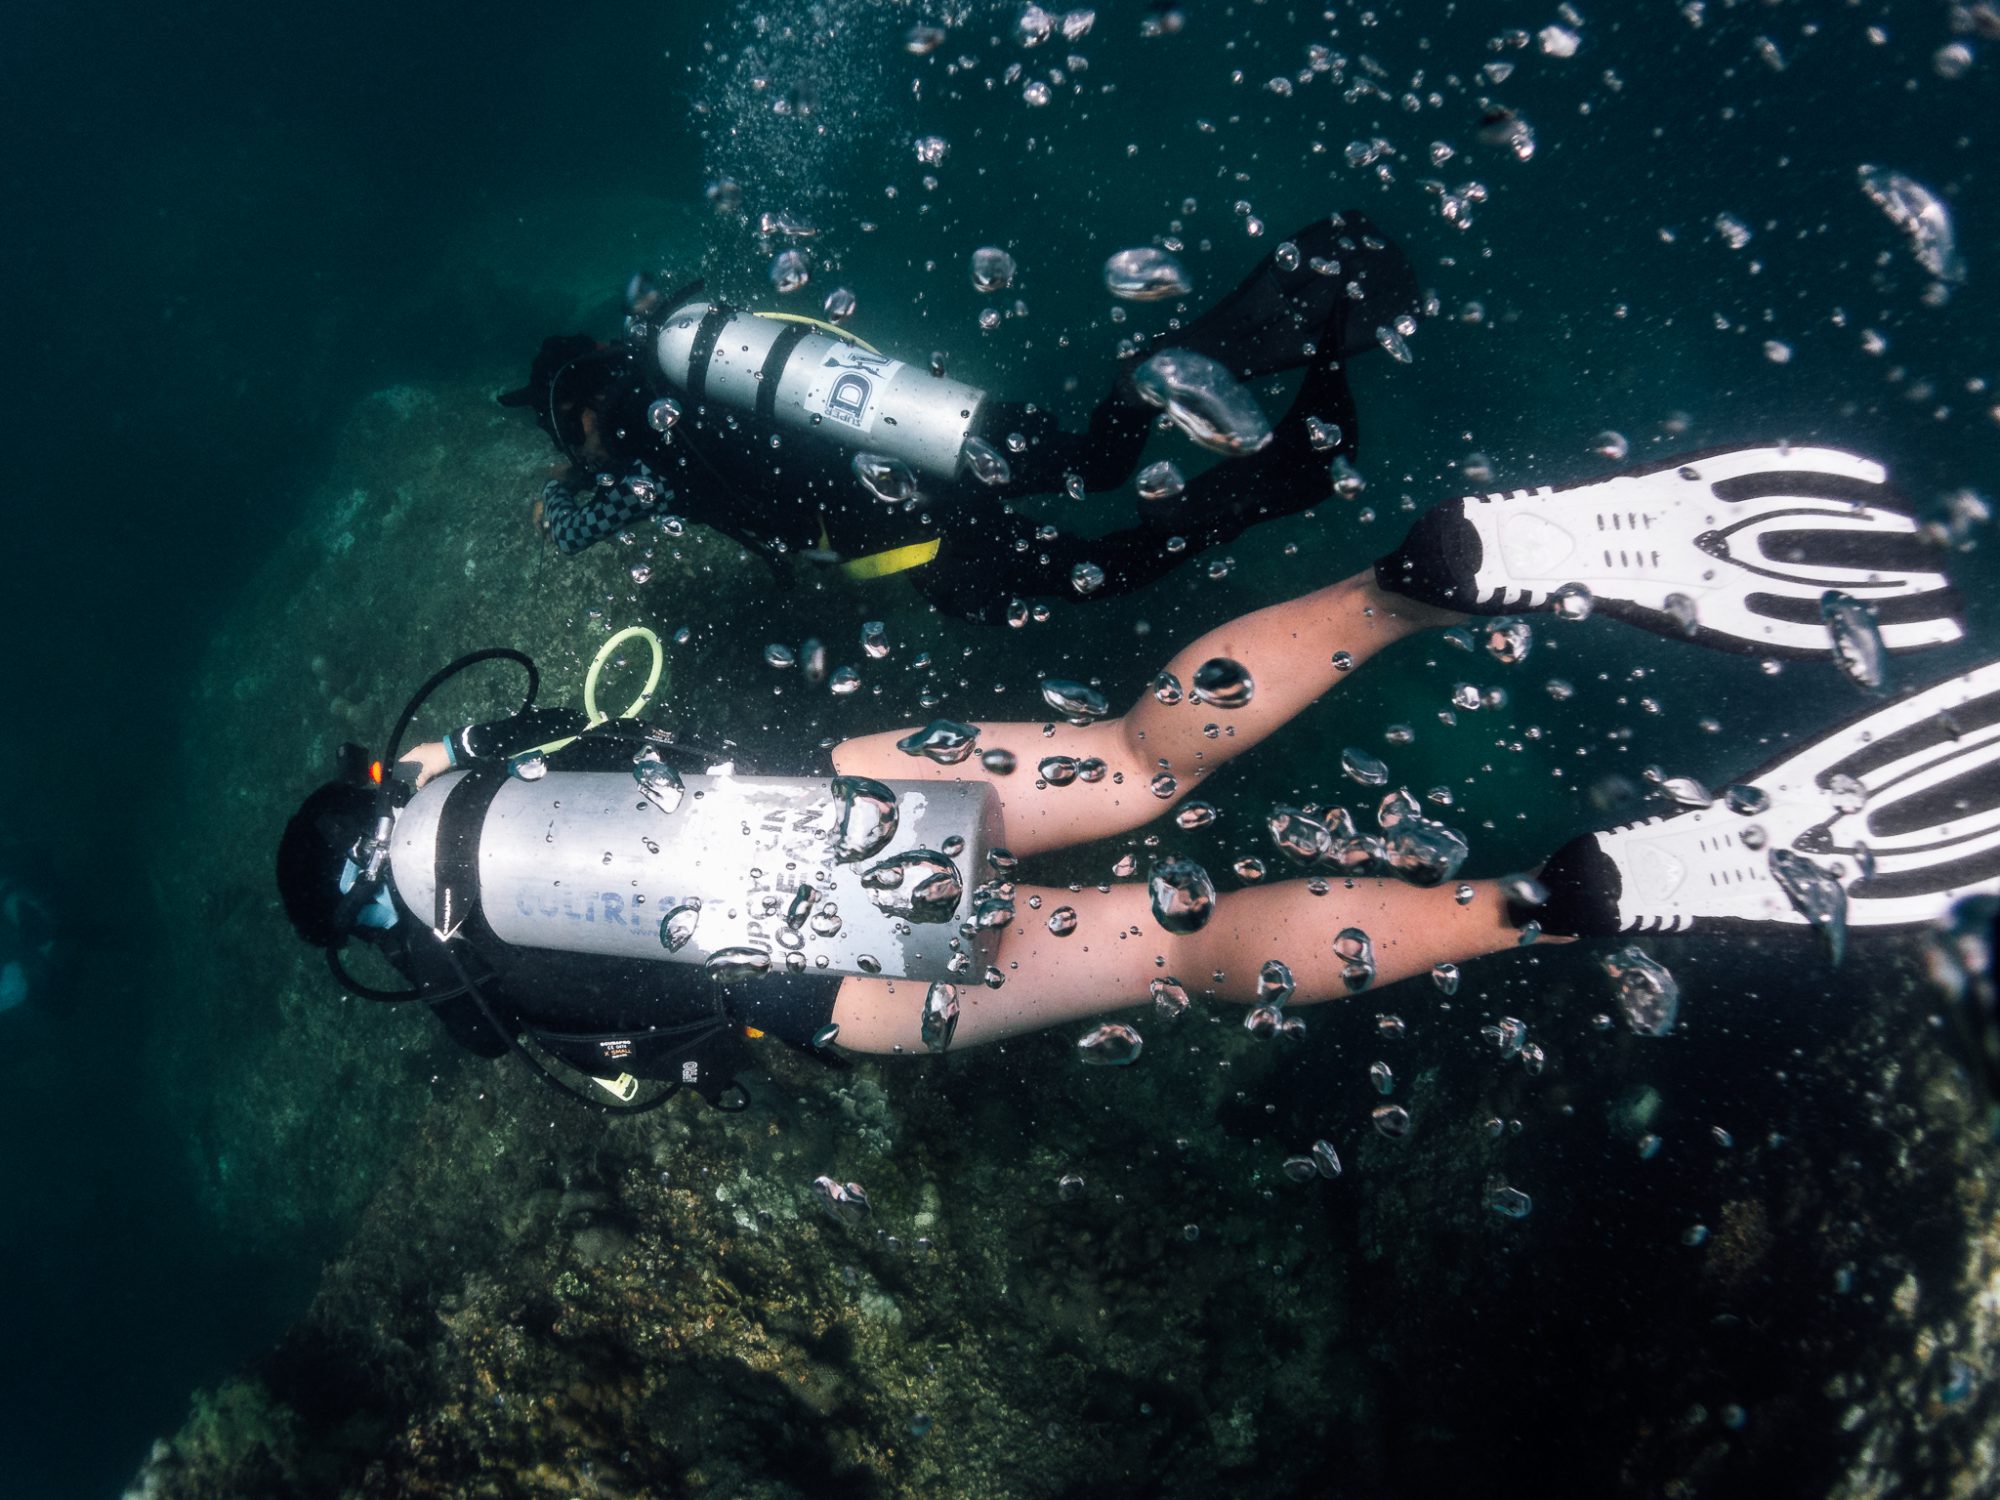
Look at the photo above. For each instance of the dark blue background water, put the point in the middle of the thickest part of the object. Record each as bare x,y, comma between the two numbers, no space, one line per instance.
224,226
227,222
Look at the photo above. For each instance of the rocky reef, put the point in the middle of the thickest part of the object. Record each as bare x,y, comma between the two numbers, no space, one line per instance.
1762,1256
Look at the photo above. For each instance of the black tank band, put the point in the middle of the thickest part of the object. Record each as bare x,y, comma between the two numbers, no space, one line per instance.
774,367
705,337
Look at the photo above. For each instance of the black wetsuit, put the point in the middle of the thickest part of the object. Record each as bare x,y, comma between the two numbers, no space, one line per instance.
722,469
602,1015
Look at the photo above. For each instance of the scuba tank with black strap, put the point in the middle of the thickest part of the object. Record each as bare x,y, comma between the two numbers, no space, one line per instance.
741,875
811,377
745,876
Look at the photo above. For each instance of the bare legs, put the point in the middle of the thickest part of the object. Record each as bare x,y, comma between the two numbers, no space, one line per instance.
1117,950
1295,652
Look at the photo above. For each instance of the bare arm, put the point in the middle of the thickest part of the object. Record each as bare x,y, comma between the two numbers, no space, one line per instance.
1290,651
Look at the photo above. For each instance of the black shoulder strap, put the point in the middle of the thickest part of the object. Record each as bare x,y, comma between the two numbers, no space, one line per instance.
680,296
460,824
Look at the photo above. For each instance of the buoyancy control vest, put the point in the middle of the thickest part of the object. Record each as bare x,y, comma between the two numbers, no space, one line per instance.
796,373
742,875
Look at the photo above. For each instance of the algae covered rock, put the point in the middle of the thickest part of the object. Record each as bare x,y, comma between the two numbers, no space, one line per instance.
418,548
1075,1274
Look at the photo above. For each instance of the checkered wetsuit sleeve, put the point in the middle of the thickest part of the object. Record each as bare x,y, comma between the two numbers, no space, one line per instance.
577,521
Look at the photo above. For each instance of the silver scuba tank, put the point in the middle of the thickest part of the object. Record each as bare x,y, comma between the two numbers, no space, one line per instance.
742,876
810,381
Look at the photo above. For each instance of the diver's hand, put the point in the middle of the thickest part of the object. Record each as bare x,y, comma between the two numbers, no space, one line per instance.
430,759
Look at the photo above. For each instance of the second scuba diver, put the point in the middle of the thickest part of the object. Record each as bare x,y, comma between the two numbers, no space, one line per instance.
595,903
794,437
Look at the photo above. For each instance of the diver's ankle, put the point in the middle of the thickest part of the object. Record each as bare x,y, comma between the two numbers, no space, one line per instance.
1413,613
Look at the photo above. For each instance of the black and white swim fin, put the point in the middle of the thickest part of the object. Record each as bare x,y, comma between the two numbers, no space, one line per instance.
1886,822
1736,549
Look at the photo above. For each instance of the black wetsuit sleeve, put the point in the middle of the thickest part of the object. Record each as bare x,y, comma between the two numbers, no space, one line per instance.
982,566
1042,457
500,738
989,554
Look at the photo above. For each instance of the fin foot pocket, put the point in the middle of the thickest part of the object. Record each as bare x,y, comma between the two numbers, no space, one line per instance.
1438,562
1583,885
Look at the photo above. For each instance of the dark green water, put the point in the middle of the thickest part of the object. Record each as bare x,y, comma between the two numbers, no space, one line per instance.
228,223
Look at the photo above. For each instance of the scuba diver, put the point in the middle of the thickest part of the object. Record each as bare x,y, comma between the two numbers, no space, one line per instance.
29,950
612,898
790,435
